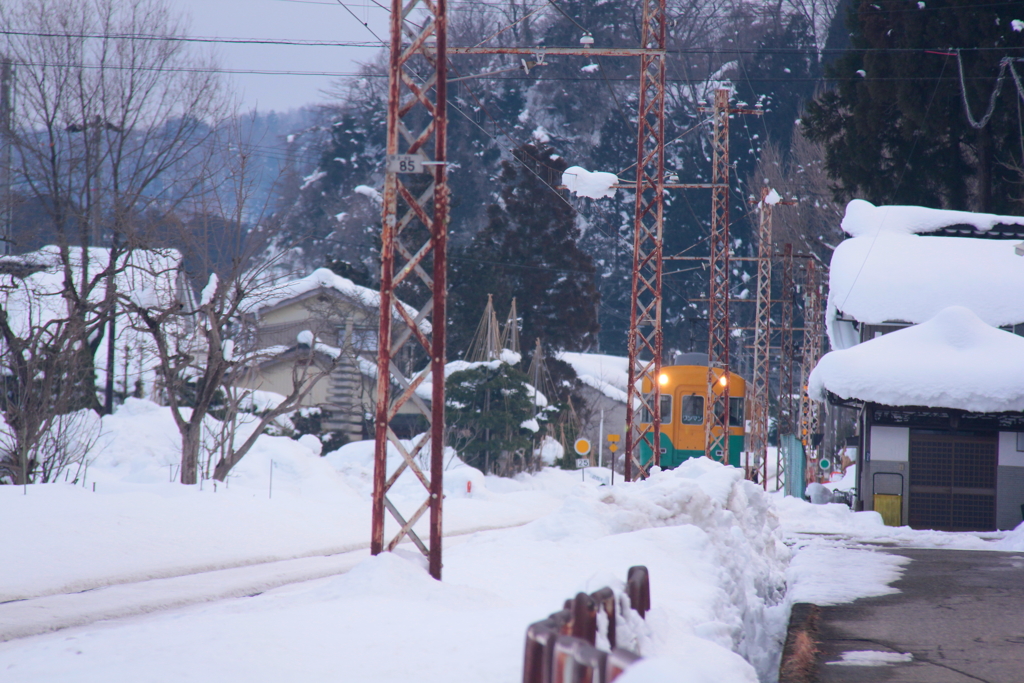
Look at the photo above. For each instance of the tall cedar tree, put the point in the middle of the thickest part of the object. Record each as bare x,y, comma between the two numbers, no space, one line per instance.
894,127
529,251
781,76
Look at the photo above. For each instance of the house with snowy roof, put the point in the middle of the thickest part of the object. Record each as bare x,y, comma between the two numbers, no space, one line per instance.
32,288
340,320
922,309
605,380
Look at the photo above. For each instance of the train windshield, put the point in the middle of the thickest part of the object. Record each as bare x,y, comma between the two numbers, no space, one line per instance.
666,409
735,412
692,410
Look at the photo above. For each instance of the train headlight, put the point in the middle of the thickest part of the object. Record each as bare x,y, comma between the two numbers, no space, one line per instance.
723,380
663,379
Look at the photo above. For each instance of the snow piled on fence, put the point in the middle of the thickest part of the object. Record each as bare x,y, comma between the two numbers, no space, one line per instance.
953,360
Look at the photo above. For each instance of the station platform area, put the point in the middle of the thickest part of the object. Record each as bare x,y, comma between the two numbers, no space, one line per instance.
958,618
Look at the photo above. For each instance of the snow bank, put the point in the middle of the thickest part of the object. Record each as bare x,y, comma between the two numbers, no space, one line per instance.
799,517
592,184
953,360
721,578
864,218
355,461
1013,541
711,540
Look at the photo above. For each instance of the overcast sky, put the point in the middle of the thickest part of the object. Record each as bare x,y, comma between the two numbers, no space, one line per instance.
285,19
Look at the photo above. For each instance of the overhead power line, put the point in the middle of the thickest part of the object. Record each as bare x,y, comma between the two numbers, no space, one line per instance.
364,74
197,39
380,43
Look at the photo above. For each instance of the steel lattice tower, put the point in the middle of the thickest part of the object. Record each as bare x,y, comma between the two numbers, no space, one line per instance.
414,237
812,337
786,358
716,408
762,342
645,337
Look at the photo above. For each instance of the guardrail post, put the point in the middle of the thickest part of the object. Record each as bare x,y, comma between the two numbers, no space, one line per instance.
562,648
584,618
638,587
605,599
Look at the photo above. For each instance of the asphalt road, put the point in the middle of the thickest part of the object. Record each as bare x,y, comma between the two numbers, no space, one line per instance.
959,613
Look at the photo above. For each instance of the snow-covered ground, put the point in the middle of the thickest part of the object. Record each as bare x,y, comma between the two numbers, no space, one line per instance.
171,566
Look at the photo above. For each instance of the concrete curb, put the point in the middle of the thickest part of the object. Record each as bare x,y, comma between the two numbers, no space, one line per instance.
800,655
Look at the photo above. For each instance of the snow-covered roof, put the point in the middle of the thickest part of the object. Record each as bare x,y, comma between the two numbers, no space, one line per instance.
953,360
607,374
886,273
33,296
273,295
864,218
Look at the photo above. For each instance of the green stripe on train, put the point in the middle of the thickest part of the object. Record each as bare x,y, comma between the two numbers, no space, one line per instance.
673,457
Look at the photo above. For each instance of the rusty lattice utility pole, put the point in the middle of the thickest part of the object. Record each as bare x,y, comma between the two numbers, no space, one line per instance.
645,339
812,336
762,338
716,407
413,248
786,359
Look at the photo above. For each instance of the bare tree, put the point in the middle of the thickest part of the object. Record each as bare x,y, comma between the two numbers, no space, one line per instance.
811,224
202,347
111,128
41,433
818,14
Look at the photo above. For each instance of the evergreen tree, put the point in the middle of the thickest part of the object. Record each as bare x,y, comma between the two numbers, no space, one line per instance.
485,408
780,77
894,126
529,251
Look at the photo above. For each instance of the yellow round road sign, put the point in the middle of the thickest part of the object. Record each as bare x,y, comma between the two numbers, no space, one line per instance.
582,446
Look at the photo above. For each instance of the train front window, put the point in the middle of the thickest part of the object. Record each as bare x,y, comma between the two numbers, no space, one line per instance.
692,410
735,412
666,409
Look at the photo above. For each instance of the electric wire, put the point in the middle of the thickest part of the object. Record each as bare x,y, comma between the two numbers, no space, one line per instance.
365,24
297,42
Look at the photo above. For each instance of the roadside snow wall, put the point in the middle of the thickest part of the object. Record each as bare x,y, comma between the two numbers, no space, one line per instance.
718,574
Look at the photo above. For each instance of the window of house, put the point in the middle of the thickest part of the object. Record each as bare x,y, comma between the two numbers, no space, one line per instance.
364,341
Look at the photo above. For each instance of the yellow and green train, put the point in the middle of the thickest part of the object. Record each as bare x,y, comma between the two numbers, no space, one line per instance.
684,391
